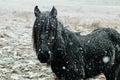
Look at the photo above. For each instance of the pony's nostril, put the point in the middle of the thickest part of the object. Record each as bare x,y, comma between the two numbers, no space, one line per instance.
43,56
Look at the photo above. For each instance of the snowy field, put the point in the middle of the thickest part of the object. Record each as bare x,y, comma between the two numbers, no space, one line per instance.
17,57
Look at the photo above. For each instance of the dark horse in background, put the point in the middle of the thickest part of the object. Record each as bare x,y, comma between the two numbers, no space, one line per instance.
73,56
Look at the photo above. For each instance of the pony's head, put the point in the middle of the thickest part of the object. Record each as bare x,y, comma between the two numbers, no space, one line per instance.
44,33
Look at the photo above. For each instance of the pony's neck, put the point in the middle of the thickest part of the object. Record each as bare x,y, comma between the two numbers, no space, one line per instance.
59,45
60,27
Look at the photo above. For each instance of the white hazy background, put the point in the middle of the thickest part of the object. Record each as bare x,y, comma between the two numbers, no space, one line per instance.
17,57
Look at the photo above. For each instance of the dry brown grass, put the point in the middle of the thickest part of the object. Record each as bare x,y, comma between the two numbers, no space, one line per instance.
95,24
72,21
75,23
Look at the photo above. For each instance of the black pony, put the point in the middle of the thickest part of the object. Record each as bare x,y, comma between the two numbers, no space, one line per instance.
71,55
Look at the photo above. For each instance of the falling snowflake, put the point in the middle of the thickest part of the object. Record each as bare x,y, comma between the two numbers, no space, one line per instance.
88,41
42,20
48,43
106,59
80,48
64,67
39,49
70,43
49,52
52,37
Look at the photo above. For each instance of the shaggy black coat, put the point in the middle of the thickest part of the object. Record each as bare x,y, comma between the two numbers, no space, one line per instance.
73,56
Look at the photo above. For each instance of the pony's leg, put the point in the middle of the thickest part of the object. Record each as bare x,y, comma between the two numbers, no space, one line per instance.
118,77
111,74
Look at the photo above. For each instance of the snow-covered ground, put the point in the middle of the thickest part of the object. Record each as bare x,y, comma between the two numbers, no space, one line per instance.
17,57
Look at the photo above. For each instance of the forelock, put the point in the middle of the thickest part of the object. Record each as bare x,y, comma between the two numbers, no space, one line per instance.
46,14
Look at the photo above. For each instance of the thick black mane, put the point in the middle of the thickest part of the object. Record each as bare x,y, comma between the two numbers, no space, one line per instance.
73,56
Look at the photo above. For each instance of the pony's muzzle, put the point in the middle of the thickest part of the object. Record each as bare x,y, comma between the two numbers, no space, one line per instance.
43,56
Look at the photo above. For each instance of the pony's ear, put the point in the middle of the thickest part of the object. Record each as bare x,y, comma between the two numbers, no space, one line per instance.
53,12
37,11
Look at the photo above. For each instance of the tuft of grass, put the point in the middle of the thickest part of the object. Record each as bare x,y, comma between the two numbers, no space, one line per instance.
72,21
95,24
85,24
